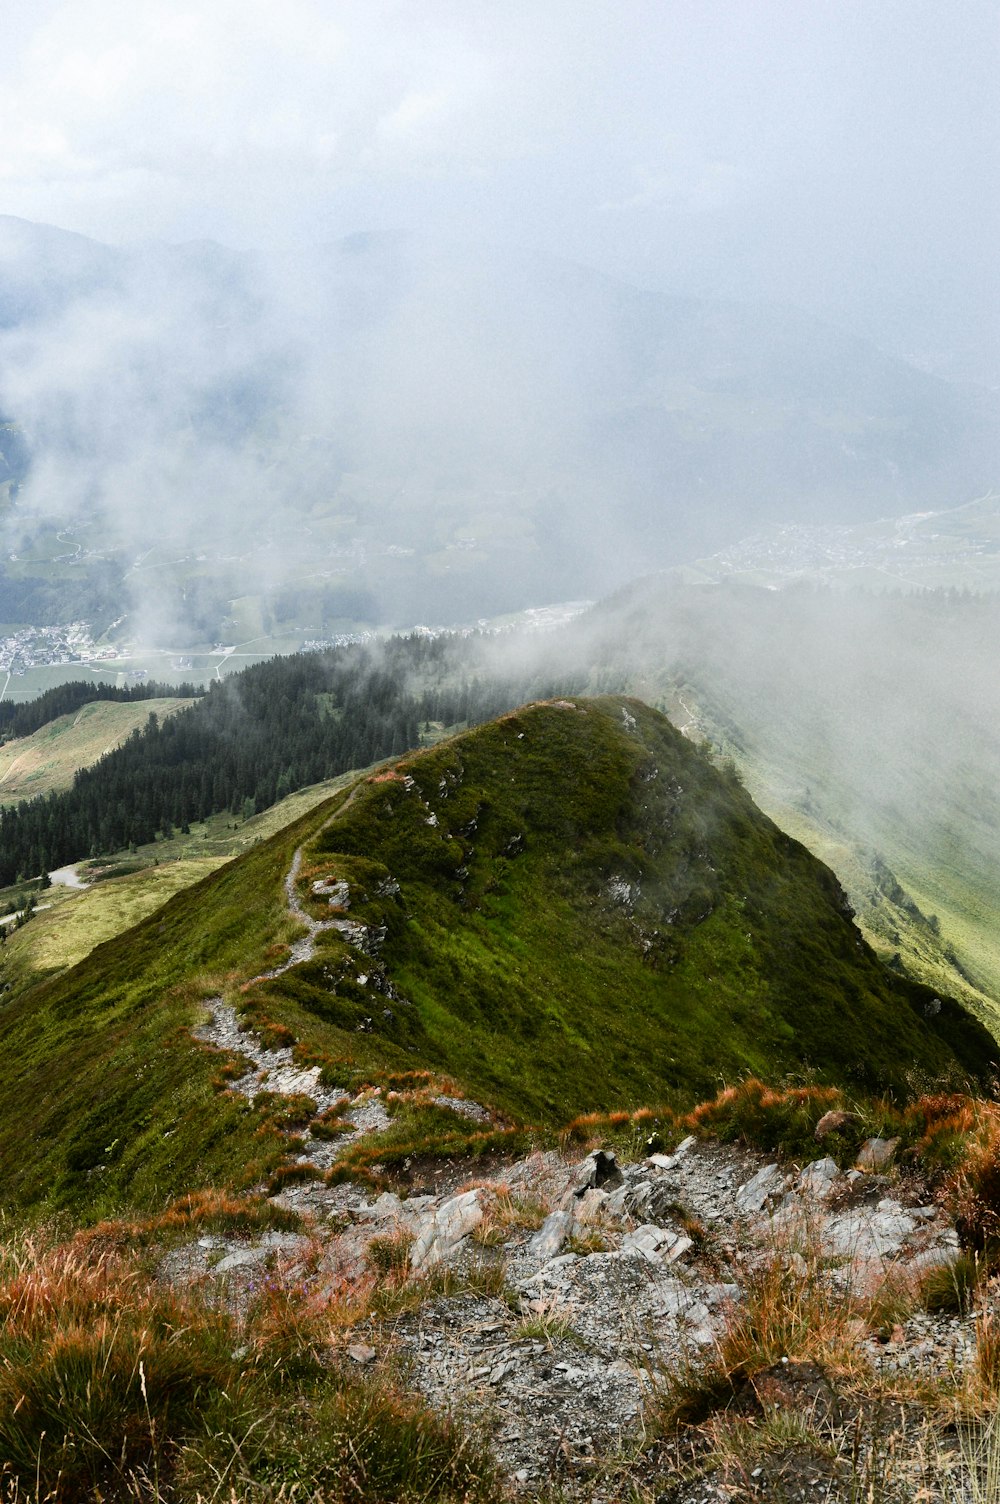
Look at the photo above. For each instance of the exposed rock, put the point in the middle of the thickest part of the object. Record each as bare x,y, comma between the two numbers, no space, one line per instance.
877,1153
660,1243
833,1122
607,1326
440,1232
337,893
614,1204
612,1324
465,1108
598,1169
551,1236
387,1205
238,1262
360,1352
766,1186
353,932
239,1258
819,1179
588,1208
867,1233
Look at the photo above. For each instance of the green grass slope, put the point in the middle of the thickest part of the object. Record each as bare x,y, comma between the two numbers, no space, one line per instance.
44,763
68,922
568,908
107,1102
591,914
869,725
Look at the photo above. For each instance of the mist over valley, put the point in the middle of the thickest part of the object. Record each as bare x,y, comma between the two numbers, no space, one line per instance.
397,428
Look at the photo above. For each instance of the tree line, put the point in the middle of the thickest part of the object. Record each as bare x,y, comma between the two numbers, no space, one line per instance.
253,738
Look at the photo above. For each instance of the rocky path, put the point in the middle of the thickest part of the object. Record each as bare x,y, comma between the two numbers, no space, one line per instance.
579,1290
274,1070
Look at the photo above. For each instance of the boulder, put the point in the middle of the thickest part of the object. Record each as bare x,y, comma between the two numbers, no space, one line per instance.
360,1352
877,1153
551,1236
598,1169
767,1185
870,1234
388,1206
589,1206
240,1258
819,1179
656,1243
833,1122
440,1233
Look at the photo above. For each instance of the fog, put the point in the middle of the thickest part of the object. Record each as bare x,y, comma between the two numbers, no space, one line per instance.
443,311
865,724
839,157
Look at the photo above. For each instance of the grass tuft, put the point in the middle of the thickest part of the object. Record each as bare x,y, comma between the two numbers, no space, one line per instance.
114,1388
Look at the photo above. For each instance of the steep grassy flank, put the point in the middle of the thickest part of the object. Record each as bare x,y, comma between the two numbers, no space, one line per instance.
867,724
569,908
45,762
932,919
591,915
68,923
107,1101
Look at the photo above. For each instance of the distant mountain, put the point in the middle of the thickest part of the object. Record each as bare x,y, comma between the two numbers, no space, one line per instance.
568,908
44,270
392,427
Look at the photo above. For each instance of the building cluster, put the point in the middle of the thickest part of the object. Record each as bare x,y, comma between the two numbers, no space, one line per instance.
35,647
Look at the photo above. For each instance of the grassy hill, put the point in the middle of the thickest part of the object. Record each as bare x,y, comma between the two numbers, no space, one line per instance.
46,761
590,912
568,908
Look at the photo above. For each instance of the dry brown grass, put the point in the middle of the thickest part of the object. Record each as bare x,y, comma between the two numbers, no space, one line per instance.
115,1388
207,1210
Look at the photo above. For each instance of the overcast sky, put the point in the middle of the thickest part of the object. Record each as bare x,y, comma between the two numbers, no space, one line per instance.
842,155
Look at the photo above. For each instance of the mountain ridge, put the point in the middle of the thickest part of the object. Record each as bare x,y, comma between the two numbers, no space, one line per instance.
509,979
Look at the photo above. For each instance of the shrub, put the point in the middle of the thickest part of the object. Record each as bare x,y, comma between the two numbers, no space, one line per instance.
952,1287
390,1253
207,1210
102,1373
284,1111
292,1174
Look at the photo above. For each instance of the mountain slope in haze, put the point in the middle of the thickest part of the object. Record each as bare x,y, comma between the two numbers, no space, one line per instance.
867,724
958,549
457,424
565,909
